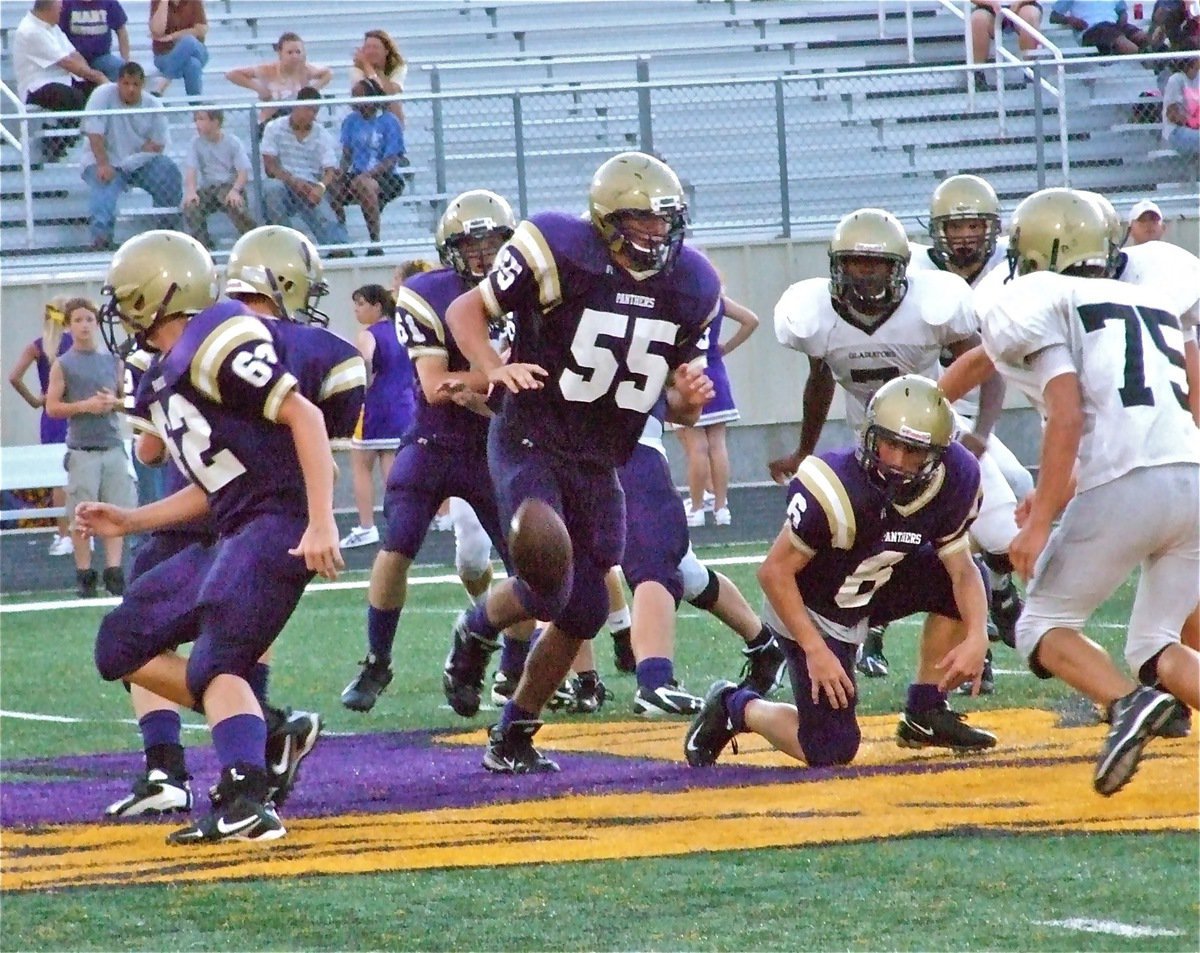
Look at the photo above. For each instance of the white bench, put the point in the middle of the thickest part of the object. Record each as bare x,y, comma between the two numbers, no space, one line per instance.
29,468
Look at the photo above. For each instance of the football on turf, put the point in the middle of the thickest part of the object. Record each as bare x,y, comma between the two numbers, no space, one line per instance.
539,545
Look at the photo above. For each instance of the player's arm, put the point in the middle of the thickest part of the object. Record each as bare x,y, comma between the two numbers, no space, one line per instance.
107,521
991,399
964,663
1191,366
16,376
970,369
747,322
818,395
319,544
467,317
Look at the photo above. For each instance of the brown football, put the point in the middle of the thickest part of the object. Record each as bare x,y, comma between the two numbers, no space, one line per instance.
539,545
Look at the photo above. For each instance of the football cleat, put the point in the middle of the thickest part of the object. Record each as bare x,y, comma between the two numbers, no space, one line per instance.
503,686
1005,606
241,811
590,694
711,730
623,657
358,536
941,728
765,668
666,700
1135,719
987,680
462,677
156,792
511,750
871,661
362,693
289,743
563,698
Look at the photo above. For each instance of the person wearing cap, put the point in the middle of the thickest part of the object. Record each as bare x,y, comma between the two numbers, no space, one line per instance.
1145,223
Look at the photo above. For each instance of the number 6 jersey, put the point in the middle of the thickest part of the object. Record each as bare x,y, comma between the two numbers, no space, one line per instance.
607,338
1126,346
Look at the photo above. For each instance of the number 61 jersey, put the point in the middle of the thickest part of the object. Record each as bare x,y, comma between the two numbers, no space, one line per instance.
1127,348
607,338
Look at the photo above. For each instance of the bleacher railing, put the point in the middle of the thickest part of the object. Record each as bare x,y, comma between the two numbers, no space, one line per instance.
765,157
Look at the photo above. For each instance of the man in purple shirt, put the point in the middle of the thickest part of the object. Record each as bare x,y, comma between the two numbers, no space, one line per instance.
90,25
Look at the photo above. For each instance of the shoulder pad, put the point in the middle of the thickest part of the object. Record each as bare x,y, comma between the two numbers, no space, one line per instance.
826,487
1024,317
804,316
942,296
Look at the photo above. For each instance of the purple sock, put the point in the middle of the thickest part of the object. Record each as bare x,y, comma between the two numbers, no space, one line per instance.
735,705
924,697
478,622
512,656
257,680
381,632
514,712
240,739
654,673
160,727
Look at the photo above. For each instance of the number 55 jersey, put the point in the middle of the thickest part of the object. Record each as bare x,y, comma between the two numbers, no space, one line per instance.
1125,344
607,338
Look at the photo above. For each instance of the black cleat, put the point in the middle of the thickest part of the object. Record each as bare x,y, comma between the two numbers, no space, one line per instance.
623,657
1135,719
114,581
765,668
871,661
86,581
590,694
941,728
503,686
666,700
288,743
462,677
154,793
240,811
711,730
511,750
362,693
1005,606
987,680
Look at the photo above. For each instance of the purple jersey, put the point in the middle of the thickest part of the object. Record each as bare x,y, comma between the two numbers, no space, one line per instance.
214,398
52,429
329,369
421,325
607,339
390,399
856,538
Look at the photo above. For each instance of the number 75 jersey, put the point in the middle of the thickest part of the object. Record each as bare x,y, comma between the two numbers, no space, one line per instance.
1126,346
607,338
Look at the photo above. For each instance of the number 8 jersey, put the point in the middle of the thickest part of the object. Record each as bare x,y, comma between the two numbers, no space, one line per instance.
1125,344
607,338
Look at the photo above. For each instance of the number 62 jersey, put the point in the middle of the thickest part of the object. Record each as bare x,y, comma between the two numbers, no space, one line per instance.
1126,346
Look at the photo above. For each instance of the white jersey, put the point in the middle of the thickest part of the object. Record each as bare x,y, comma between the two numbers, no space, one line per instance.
936,312
1172,271
1127,348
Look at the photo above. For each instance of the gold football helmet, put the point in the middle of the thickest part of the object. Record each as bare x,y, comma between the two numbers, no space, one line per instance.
635,185
282,264
471,231
869,233
1059,230
1116,228
154,275
964,198
912,412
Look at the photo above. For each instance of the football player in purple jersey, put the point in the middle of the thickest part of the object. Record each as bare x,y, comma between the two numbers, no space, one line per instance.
608,311
876,531
257,454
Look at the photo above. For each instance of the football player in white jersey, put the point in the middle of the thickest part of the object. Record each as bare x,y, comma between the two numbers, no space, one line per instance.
1102,361
871,322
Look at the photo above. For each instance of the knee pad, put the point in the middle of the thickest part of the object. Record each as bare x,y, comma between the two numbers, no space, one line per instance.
706,598
1148,673
472,547
835,743
118,652
547,604
204,664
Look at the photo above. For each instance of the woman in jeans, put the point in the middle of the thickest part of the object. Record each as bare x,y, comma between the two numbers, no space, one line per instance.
178,28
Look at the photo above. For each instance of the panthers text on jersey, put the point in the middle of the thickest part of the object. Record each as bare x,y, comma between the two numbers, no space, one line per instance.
856,537
935,313
607,339
1127,349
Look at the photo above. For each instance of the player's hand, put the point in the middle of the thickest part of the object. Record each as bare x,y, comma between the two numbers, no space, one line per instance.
826,674
102,519
318,547
783,469
963,663
1024,507
695,388
518,377
1026,547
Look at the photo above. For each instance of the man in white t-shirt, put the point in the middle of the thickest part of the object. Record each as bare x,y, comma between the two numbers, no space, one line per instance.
50,72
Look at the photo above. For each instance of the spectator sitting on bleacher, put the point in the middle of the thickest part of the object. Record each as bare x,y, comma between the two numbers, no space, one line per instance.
300,157
1145,223
215,173
50,72
372,151
43,351
90,25
178,29
983,29
1174,25
1103,24
378,61
282,79
127,150
1181,105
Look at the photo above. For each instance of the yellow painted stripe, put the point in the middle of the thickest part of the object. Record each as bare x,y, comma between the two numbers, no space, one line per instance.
826,486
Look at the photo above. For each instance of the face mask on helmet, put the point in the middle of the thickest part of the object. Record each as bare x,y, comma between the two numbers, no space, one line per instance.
471,251
903,464
870,285
965,241
649,239
909,425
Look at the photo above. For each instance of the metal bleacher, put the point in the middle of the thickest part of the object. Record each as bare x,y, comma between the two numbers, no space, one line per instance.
715,73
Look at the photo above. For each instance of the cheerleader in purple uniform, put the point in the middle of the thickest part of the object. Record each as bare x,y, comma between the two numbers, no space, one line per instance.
704,444
43,351
387,410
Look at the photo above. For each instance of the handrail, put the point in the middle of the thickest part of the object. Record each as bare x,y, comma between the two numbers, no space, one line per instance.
26,171
910,43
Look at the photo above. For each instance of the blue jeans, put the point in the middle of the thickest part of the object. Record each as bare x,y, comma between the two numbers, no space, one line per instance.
282,203
109,64
1184,140
186,59
160,177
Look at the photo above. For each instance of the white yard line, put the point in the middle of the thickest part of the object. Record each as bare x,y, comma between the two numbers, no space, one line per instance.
1111,927
64,720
